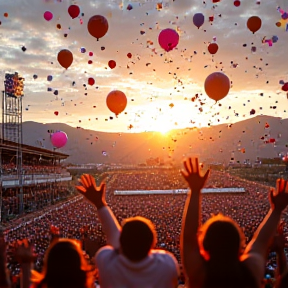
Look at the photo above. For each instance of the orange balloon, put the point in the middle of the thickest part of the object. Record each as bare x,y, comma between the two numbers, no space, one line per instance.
254,23
213,48
65,58
116,101
217,86
97,26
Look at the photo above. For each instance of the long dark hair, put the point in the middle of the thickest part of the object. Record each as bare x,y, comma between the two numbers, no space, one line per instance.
64,267
221,235
222,243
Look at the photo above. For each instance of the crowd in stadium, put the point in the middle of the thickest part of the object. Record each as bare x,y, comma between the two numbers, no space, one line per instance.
161,179
34,198
78,220
10,168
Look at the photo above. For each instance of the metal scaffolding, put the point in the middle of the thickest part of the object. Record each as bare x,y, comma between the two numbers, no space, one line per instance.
12,124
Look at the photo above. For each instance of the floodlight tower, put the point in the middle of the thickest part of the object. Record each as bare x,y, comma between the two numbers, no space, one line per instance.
12,122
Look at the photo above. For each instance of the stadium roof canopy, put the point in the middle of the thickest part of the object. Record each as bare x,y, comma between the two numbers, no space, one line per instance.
10,148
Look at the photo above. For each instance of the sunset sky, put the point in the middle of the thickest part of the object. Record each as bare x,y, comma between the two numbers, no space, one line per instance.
152,79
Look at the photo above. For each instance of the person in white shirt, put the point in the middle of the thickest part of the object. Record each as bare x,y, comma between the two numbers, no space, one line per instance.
128,260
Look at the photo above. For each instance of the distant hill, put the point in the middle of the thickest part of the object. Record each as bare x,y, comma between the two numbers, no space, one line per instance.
215,143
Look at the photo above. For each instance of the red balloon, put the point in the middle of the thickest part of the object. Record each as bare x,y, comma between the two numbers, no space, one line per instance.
285,87
254,23
112,64
56,113
97,26
116,101
91,81
74,11
129,55
217,86
213,48
90,54
237,3
168,39
65,58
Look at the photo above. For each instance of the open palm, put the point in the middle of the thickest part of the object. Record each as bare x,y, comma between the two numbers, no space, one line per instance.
192,175
88,188
279,197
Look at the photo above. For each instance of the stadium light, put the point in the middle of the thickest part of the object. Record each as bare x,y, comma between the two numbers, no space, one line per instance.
14,85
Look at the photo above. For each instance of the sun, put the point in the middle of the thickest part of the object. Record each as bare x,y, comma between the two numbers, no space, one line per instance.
163,129
162,124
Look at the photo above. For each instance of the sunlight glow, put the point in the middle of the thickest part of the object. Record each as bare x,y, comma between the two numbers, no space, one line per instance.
162,123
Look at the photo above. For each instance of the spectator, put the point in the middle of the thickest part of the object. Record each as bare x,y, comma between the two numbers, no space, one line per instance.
64,267
129,260
215,258
77,219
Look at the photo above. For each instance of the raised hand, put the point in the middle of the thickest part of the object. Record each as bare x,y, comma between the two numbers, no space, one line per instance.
24,252
94,194
279,197
192,175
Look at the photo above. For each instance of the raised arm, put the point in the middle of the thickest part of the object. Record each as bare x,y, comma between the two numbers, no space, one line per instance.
96,195
25,256
189,245
255,253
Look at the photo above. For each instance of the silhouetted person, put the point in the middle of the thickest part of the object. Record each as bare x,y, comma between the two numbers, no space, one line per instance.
213,255
128,261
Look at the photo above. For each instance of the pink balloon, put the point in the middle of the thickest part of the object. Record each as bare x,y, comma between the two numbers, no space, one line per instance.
59,139
48,16
168,39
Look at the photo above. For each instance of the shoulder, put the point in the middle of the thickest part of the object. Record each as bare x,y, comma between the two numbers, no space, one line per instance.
167,259
104,254
255,262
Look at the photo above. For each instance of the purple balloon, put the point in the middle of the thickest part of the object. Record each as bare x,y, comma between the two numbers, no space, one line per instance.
59,139
168,39
198,19
48,16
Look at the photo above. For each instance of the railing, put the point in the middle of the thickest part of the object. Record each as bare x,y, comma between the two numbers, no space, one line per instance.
12,181
178,191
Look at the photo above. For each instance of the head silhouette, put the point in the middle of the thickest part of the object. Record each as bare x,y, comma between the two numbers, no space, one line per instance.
221,238
137,238
65,266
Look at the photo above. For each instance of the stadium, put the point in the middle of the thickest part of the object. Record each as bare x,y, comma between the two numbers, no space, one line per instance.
148,147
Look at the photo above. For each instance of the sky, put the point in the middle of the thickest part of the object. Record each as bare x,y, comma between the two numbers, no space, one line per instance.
152,79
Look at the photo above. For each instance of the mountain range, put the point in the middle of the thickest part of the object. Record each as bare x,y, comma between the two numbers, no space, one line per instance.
261,136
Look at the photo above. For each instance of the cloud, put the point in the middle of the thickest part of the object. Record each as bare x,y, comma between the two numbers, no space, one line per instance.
151,75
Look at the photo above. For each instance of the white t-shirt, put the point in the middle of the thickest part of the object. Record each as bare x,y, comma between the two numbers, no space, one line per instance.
158,270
